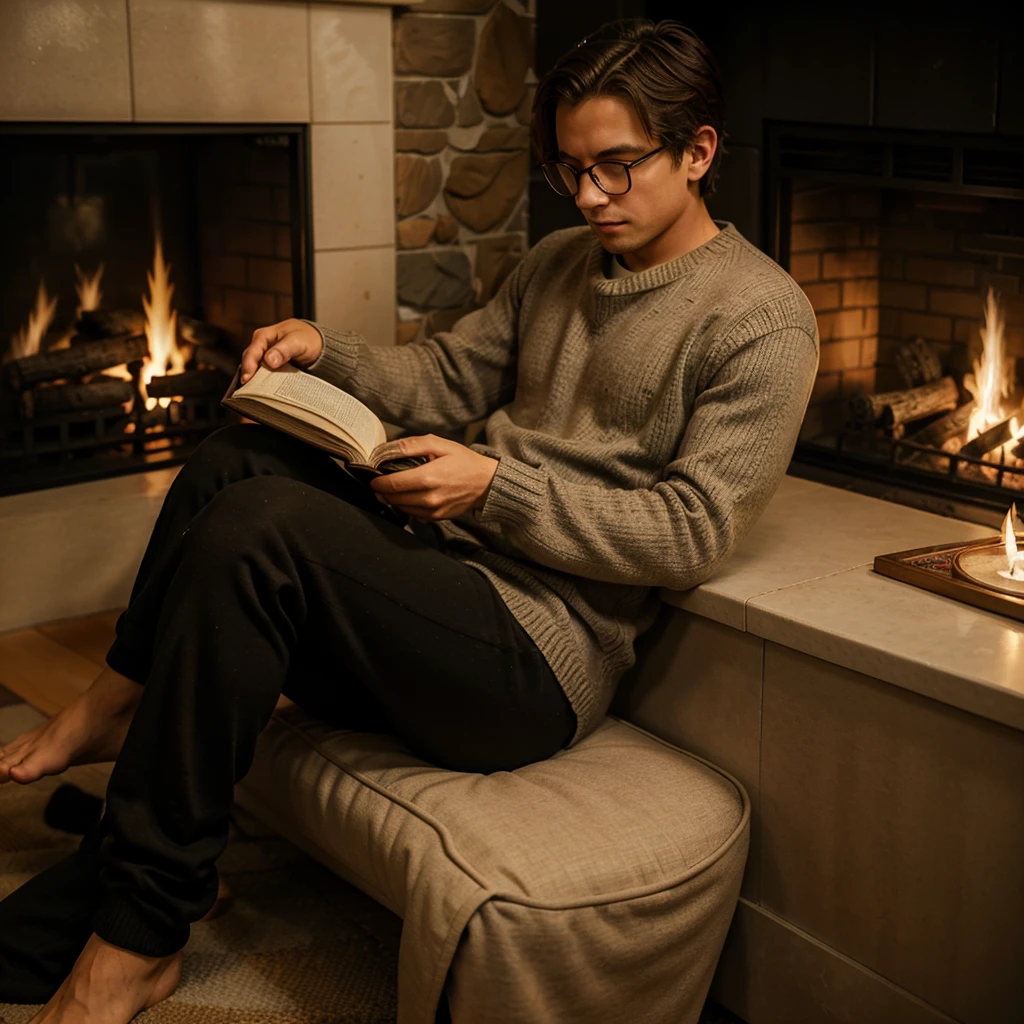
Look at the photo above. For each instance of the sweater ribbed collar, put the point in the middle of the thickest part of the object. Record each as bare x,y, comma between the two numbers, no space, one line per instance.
663,273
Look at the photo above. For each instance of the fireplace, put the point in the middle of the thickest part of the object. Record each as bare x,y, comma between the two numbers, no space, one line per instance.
910,247
140,260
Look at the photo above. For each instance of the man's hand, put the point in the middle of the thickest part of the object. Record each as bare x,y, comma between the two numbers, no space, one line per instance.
455,480
288,341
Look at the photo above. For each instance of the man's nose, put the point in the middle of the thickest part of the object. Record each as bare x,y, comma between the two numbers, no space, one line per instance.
589,196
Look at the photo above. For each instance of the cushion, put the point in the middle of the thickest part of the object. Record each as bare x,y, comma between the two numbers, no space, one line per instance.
596,885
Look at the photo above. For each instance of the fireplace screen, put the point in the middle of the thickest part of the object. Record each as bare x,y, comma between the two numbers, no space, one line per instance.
911,252
138,262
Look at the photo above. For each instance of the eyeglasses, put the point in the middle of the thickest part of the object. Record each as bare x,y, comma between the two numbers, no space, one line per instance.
610,176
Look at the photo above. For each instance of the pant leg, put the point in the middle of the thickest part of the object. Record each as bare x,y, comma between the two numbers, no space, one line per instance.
233,453
268,565
45,923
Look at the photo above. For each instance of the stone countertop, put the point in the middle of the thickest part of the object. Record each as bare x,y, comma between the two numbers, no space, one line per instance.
803,578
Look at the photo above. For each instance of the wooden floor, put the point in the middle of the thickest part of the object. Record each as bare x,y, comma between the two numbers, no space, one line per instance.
49,665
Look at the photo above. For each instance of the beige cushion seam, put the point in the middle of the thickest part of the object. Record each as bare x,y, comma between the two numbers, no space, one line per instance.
617,897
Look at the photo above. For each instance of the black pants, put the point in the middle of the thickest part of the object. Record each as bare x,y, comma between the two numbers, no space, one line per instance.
270,570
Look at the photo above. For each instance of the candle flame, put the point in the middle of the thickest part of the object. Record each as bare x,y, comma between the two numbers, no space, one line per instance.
1014,558
1009,537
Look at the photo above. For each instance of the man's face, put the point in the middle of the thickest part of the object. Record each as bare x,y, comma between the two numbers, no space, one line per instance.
608,128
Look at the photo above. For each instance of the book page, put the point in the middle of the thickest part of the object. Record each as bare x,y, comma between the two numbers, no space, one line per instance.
292,386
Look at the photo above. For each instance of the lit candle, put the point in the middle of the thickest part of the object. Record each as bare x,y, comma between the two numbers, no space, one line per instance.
1014,559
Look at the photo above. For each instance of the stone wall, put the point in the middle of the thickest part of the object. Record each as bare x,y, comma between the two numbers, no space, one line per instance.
463,91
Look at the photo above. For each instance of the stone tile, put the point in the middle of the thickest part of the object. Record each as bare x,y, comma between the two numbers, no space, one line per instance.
64,60
355,291
75,550
350,63
892,831
810,530
218,60
914,639
697,684
353,186
773,973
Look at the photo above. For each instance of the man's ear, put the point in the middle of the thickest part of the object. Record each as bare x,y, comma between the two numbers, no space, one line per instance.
702,152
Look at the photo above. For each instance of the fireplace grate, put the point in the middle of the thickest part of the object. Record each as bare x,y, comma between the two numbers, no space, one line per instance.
885,459
74,447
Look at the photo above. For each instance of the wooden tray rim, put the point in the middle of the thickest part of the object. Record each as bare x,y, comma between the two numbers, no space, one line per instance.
895,566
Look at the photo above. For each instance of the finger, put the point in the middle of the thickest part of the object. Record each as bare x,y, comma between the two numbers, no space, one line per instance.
420,478
428,444
422,501
289,344
262,339
424,510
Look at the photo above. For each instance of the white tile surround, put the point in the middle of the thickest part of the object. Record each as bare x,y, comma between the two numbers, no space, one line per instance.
237,61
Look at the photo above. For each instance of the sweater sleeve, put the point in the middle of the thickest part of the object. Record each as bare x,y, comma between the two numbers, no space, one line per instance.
734,453
436,384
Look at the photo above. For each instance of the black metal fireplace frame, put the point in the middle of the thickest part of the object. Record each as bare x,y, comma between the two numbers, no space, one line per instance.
953,164
40,453
968,165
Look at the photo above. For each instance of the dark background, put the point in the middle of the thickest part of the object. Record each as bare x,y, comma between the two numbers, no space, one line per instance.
919,67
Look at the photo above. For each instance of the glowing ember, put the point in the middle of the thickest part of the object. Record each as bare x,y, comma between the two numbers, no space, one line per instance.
88,288
161,326
992,379
1014,559
28,340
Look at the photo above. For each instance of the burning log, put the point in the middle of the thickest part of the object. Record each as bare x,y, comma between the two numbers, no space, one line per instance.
917,363
110,323
75,361
54,398
896,407
936,434
190,384
990,439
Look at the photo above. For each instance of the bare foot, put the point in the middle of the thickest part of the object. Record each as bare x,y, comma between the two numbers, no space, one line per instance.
91,728
109,985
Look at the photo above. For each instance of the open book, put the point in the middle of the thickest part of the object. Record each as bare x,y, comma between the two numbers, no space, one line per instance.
314,411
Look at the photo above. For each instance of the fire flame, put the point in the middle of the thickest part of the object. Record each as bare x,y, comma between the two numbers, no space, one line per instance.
992,379
88,288
1014,558
161,326
29,339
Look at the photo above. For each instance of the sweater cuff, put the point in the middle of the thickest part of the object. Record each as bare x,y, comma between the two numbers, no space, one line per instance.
338,357
517,492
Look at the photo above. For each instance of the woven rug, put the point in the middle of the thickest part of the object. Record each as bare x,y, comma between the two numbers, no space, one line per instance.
297,946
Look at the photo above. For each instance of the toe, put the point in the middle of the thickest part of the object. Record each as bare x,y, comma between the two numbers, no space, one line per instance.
31,767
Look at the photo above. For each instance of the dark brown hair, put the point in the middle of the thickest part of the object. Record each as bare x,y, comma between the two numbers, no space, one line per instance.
663,70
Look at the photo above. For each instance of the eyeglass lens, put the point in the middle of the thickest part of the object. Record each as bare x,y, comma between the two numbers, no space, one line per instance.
612,178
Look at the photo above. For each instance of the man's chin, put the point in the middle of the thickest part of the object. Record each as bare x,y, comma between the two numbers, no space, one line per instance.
617,242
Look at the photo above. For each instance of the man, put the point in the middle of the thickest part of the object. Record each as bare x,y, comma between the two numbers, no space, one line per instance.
644,380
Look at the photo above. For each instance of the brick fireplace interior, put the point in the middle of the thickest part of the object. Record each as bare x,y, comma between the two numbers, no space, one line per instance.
98,209
900,269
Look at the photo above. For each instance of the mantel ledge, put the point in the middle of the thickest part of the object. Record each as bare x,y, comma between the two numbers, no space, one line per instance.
803,578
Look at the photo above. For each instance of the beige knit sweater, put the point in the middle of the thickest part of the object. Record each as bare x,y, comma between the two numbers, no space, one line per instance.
641,425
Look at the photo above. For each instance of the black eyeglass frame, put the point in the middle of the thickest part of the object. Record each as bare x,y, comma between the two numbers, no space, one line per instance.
624,164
